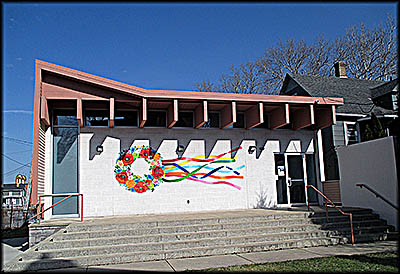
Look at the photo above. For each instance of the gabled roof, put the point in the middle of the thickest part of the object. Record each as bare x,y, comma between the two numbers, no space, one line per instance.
355,92
385,88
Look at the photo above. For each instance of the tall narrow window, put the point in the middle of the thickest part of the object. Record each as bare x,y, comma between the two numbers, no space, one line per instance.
350,133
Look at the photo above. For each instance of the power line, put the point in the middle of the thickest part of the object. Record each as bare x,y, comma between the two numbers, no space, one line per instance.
19,141
11,171
9,158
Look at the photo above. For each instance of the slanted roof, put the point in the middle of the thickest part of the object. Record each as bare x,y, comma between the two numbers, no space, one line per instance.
355,92
385,88
11,187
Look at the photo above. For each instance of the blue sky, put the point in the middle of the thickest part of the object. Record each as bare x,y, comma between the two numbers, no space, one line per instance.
157,46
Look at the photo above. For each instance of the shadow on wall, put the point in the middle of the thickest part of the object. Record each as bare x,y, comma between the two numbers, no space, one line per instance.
262,198
184,137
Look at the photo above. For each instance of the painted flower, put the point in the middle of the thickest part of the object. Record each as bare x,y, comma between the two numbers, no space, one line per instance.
144,153
122,177
127,159
141,187
148,182
156,157
130,184
157,172
120,163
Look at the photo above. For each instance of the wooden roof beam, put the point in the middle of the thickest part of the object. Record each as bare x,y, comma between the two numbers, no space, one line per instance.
172,113
254,116
303,117
228,115
200,114
112,105
325,116
279,117
143,113
79,115
44,111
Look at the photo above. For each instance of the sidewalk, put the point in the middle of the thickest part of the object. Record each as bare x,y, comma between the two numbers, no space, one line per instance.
198,263
12,247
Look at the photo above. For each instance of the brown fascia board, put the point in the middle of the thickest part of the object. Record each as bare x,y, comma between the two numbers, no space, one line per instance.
173,94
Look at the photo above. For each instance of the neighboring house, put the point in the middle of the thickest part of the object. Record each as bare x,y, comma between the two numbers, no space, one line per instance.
361,98
131,150
13,195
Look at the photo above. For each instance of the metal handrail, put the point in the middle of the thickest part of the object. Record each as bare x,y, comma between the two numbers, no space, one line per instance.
378,195
326,210
40,204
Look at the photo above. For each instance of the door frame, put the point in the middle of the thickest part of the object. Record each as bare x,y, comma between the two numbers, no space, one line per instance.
72,215
302,154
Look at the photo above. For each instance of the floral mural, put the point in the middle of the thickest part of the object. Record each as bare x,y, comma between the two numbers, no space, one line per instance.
177,170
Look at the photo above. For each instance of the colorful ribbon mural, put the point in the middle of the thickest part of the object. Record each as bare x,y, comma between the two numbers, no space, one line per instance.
195,169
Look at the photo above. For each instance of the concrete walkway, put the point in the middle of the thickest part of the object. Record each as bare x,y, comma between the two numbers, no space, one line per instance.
198,263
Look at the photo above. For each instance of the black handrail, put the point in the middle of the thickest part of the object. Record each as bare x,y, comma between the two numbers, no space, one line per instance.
378,195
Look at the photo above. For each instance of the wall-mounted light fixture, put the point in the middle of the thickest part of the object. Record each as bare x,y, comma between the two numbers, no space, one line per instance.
99,149
179,150
252,149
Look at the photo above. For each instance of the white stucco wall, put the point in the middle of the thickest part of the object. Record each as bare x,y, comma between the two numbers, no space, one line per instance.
103,196
371,163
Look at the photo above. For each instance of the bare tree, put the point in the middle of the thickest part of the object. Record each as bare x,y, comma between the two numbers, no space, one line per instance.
205,86
369,53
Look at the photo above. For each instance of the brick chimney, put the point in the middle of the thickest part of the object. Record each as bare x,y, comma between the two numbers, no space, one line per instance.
340,69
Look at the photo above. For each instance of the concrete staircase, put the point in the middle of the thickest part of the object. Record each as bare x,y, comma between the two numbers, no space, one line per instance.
102,241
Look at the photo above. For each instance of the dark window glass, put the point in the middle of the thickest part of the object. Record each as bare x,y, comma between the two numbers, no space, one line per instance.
65,117
156,119
96,118
213,120
239,121
352,134
185,119
126,118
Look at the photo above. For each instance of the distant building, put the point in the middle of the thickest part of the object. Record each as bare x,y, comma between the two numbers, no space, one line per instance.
12,195
361,99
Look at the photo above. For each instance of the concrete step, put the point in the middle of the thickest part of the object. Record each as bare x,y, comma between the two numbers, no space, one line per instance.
125,240
179,244
342,218
71,234
356,224
334,212
130,257
168,237
135,224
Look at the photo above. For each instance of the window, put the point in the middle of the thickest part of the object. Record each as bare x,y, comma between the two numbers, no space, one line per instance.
126,118
213,120
350,133
185,119
240,122
64,117
156,119
96,117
